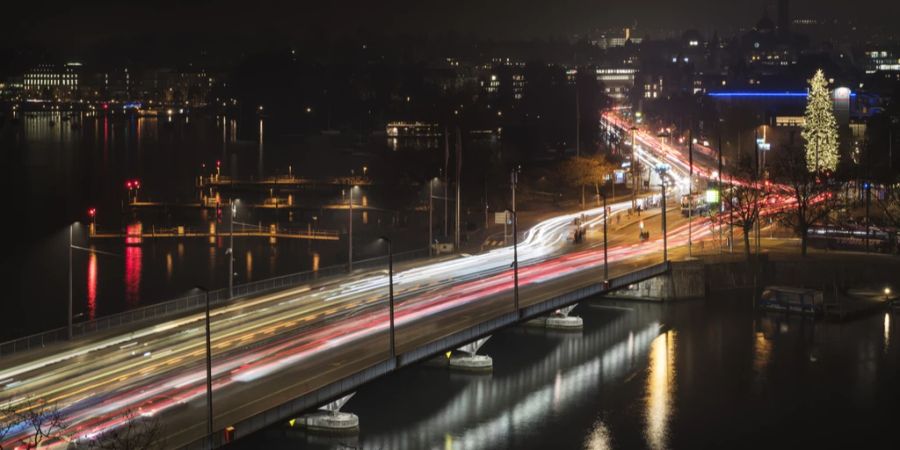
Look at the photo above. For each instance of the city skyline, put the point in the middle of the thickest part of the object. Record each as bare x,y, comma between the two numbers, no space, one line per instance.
54,26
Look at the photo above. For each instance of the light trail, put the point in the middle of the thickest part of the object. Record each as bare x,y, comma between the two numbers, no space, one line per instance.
156,368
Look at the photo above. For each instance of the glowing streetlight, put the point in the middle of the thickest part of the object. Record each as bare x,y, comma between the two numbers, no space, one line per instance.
391,291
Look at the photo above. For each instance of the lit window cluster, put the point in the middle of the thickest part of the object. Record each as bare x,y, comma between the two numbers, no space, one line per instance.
50,76
882,61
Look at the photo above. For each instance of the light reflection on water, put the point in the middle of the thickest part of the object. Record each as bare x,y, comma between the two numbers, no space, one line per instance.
599,438
87,159
92,286
625,384
488,410
133,275
660,385
887,331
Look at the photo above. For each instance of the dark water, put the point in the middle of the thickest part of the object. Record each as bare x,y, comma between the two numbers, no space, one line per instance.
704,374
54,172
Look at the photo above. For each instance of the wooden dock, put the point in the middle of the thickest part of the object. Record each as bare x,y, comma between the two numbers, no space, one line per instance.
855,303
223,181
273,234
285,205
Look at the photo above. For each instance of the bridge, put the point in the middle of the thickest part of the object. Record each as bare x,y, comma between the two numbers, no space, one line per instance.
298,343
415,343
276,356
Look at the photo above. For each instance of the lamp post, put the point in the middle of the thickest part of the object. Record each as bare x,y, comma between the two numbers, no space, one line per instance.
350,229
605,255
72,247
662,172
868,187
719,173
69,315
391,292
690,189
209,405
431,216
515,264
634,182
230,250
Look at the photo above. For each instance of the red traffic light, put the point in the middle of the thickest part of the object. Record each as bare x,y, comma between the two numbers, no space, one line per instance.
92,212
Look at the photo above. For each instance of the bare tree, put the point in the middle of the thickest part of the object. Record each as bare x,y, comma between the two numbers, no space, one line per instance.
812,193
38,421
743,203
137,433
7,423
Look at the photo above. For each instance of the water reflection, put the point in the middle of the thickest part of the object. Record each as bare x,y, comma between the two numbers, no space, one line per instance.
599,438
249,264
169,266
660,385
887,331
489,411
92,286
762,353
133,275
260,162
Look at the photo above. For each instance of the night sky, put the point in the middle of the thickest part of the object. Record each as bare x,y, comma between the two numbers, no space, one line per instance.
70,26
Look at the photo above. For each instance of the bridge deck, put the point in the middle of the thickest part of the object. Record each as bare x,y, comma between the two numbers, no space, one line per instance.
249,407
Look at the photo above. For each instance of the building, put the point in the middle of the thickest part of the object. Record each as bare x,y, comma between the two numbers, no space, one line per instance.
617,81
886,62
614,38
53,82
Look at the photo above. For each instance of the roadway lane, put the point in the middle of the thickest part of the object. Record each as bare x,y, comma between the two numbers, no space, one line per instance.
278,346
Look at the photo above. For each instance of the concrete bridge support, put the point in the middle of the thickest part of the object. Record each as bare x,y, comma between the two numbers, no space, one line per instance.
684,280
469,360
331,420
559,320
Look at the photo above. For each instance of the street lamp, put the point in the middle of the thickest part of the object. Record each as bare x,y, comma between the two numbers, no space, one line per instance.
431,214
69,315
515,264
391,291
92,213
662,169
230,250
209,405
350,228
634,182
605,255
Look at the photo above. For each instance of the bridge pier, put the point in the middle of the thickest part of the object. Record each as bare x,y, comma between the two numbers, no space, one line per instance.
470,360
331,420
559,320
685,280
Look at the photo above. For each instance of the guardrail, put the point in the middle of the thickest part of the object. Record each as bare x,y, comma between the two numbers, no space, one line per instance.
194,302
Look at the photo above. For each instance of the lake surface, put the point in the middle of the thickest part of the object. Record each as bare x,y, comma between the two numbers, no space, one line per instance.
58,165
699,374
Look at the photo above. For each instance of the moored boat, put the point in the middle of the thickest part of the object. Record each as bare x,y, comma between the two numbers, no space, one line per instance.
792,299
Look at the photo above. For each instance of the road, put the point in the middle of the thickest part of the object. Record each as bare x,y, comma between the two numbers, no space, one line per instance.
274,347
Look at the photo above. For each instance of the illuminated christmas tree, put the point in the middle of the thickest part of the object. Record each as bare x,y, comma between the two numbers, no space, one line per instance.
820,129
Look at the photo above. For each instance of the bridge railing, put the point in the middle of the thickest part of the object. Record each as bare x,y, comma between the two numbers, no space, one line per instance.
194,302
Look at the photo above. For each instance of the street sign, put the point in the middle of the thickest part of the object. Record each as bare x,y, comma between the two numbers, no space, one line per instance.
501,218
